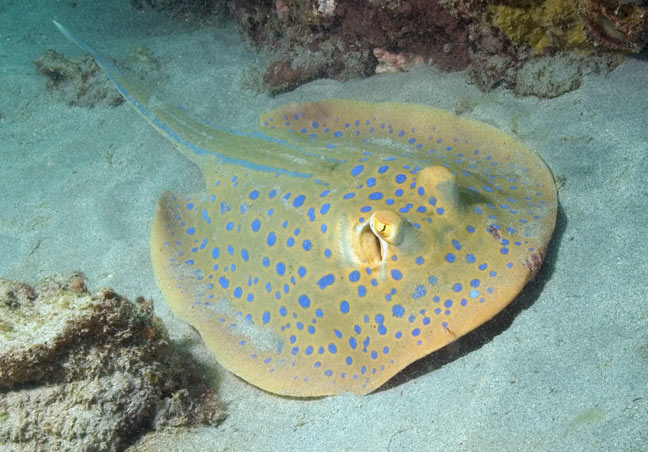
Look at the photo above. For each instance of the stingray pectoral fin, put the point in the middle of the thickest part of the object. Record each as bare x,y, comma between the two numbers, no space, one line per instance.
179,274
396,130
186,255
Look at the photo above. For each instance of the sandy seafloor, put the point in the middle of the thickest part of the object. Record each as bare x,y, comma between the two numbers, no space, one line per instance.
565,368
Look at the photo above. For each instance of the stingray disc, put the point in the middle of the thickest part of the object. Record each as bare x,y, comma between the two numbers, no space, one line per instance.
418,228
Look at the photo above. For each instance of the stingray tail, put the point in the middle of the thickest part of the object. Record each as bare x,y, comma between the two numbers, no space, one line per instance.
197,140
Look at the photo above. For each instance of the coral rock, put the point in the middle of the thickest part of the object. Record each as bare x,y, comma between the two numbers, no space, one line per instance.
621,25
90,372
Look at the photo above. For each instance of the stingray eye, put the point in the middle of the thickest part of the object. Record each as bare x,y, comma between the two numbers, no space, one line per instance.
386,225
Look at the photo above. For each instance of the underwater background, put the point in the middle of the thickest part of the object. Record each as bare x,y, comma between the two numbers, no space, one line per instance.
564,367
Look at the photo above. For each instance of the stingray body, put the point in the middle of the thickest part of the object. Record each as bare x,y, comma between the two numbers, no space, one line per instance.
347,240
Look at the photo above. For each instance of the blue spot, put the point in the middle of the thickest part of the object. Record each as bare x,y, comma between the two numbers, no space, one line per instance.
307,245
416,332
290,242
383,169
238,292
348,360
447,303
470,258
229,226
354,276
244,254
272,239
272,193
419,292
223,281
473,293
504,250
283,311
265,261
190,206
400,178
304,301
349,195
254,194
419,260
337,134
396,274
456,244
215,253
371,182
382,330
332,348
266,317
281,269
311,329
191,231
357,170
362,291
325,208
256,224
301,271
450,257
344,307
230,250
315,124
376,196
352,342
319,313
203,244
398,311
457,287
474,283
299,200
326,281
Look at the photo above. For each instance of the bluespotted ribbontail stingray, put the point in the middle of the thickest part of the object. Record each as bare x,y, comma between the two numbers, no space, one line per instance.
347,241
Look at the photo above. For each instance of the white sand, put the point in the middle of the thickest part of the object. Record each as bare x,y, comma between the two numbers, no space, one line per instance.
566,368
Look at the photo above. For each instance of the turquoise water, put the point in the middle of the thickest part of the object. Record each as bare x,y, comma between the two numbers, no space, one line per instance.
563,369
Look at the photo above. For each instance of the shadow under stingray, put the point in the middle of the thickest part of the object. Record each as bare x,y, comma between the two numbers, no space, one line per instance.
492,328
